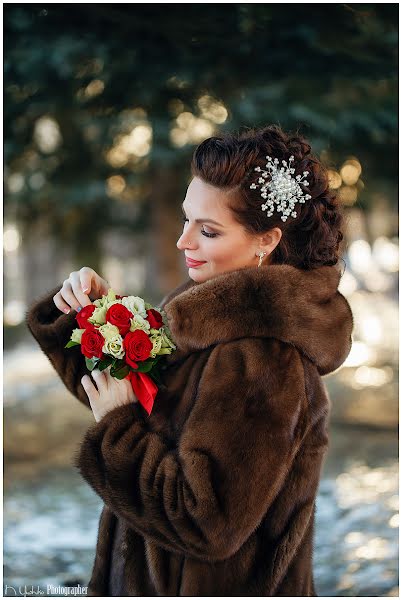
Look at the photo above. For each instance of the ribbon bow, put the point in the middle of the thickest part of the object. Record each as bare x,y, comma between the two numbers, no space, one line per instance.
144,388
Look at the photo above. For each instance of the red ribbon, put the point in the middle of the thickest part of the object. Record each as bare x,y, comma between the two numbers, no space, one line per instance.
144,388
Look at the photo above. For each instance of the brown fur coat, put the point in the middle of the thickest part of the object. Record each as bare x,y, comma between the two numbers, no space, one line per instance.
214,493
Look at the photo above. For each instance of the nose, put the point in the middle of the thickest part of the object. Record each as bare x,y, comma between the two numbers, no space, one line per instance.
182,242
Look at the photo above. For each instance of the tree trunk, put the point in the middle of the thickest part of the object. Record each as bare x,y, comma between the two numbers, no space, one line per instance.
166,196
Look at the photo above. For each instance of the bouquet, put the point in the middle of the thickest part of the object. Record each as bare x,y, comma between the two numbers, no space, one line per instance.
128,335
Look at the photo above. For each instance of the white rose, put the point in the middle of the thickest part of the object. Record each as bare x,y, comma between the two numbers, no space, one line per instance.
138,322
162,344
110,303
135,304
157,344
166,341
114,347
77,335
98,317
109,331
106,300
164,347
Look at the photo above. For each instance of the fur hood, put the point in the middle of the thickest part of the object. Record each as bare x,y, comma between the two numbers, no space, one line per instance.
302,308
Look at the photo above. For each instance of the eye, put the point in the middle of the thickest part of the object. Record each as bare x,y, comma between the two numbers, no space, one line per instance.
210,235
205,233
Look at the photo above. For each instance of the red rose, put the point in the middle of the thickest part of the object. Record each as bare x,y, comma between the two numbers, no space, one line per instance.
92,343
120,316
138,347
154,318
83,315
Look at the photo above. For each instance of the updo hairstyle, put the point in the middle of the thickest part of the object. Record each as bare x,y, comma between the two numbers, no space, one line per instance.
311,239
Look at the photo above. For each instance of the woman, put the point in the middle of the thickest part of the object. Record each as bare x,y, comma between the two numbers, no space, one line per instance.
214,493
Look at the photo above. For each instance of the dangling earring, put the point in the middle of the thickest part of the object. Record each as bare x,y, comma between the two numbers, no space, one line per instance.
261,255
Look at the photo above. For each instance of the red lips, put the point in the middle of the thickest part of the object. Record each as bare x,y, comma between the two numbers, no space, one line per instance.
191,262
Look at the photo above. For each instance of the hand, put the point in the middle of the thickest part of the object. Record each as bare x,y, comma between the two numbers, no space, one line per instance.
80,289
111,392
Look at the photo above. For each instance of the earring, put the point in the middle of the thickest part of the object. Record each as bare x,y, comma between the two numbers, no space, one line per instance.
261,255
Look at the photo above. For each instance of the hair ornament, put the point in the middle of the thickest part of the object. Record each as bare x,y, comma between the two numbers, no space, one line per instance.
282,189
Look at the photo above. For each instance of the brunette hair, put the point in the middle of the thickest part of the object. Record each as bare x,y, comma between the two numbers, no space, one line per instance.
227,161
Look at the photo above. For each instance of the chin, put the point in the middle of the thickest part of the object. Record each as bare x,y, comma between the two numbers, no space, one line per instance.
195,276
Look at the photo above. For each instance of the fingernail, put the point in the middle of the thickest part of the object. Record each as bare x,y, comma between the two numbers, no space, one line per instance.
66,310
85,290
78,309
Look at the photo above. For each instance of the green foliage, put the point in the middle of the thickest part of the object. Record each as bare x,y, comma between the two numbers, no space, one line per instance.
105,362
70,344
329,69
91,363
119,369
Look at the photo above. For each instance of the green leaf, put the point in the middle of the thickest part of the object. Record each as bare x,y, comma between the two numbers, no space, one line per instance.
155,373
156,377
105,363
70,344
91,362
144,367
119,363
119,372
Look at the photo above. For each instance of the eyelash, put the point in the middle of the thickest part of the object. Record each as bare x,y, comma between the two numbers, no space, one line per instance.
210,235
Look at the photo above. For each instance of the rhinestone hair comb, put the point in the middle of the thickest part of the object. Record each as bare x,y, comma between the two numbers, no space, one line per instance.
282,190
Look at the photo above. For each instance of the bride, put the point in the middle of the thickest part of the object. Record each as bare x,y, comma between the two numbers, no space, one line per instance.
214,493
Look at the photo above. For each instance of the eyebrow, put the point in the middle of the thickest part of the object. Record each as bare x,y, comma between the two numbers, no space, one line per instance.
204,220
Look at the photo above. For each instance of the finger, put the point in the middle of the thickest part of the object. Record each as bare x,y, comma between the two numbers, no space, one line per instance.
100,287
92,284
86,275
100,380
76,285
130,392
59,302
118,389
68,295
113,384
104,287
90,389
131,395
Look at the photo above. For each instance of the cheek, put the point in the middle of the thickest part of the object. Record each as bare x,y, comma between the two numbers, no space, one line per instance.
222,250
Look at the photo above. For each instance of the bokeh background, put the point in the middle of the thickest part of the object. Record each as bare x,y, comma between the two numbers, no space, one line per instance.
104,105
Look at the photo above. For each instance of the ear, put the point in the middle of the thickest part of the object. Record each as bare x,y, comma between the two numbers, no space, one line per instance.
270,240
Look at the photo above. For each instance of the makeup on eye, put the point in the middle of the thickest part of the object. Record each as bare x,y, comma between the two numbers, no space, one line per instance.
205,233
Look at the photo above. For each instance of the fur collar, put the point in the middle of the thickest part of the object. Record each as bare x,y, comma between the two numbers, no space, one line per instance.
302,308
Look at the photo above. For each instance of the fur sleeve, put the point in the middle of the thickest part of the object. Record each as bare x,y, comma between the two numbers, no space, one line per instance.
206,496
52,329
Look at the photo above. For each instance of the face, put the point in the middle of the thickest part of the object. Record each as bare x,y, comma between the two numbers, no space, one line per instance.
221,246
